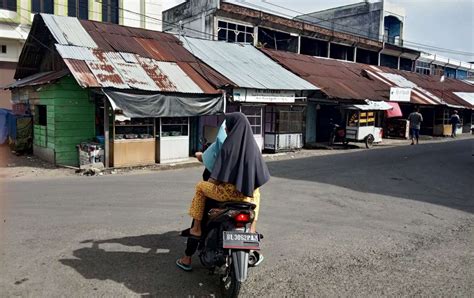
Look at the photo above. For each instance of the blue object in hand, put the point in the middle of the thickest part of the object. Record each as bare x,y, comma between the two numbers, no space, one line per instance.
209,156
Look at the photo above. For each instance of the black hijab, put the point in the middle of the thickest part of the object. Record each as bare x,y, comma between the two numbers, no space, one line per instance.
239,161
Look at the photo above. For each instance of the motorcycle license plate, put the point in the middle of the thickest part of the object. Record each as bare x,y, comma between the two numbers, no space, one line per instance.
241,240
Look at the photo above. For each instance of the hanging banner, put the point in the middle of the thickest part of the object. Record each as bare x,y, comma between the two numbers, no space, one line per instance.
264,96
400,94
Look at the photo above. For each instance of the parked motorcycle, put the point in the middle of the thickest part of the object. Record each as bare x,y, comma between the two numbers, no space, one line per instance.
226,246
204,143
338,134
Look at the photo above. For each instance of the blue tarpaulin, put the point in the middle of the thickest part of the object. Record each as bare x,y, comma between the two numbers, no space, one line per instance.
5,116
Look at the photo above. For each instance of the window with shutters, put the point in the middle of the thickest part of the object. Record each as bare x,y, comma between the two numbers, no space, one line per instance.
78,8
110,11
232,32
42,6
8,5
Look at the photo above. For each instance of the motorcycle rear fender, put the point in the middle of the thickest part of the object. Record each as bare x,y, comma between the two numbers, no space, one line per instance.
240,259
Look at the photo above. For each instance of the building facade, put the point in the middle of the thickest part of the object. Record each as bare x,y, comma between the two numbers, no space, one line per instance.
375,20
221,20
433,64
16,17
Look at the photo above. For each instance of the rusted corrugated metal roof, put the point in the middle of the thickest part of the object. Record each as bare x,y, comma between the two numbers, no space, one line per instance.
199,71
156,74
82,73
133,74
158,46
348,80
106,74
128,71
109,56
178,77
444,91
337,79
425,89
417,96
126,44
39,79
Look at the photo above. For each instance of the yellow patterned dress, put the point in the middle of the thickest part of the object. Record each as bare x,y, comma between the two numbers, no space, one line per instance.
222,192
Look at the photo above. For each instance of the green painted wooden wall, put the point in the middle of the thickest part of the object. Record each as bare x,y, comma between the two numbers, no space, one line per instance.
70,120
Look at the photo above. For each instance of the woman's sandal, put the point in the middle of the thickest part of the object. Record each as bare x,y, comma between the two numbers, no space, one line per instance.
183,266
187,233
255,258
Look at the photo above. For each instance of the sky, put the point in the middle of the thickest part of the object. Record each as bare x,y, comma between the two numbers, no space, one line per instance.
447,24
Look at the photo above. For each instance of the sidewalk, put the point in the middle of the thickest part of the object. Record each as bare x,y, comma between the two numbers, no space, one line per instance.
15,167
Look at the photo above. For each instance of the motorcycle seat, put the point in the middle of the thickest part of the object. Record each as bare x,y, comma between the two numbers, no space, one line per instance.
238,205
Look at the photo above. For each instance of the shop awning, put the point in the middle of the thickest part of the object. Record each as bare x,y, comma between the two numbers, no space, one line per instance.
144,105
371,106
395,111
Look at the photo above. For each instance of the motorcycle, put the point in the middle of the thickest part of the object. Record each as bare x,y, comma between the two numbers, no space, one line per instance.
227,246
338,134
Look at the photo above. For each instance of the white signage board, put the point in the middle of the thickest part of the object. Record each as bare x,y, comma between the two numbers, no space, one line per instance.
400,94
264,96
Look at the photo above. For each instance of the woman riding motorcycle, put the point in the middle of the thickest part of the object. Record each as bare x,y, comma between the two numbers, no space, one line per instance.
238,172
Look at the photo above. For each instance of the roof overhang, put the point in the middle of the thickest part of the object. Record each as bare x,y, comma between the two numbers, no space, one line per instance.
39,79
266,19
370,106
397,51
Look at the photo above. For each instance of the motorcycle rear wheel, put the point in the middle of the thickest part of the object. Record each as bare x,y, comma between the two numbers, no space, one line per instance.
230,286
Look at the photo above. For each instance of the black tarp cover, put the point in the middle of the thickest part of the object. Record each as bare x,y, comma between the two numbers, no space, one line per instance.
144,105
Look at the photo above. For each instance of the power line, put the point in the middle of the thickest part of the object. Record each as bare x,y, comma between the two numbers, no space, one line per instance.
27,32
154,18
136,13
203,73
415,44
213,35
321,20
91,11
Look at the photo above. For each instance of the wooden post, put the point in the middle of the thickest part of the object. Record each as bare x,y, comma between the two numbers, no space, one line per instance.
106,133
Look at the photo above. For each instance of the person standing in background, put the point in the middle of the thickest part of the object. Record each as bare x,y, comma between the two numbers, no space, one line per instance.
415,119
455,120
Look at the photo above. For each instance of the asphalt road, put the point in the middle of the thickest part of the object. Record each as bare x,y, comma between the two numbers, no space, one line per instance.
388,222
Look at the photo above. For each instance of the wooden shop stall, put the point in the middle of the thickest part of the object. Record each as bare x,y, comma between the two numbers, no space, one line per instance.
133,141
149,128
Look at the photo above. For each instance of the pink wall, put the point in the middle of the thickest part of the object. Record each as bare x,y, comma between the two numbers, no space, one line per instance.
7,71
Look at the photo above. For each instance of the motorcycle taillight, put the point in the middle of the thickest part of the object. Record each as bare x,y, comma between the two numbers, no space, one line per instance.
242,218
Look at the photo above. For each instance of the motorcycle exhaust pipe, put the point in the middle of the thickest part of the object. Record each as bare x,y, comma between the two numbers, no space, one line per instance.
240,258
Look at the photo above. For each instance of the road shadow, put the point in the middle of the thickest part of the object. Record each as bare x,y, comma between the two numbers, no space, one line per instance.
145,265
436,173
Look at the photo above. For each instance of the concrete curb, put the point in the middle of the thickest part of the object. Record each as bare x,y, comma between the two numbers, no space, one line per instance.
304,153
192,163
